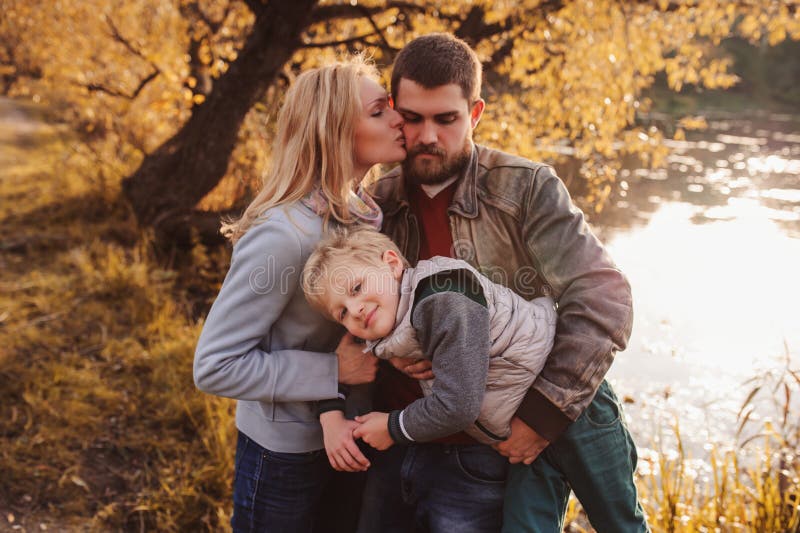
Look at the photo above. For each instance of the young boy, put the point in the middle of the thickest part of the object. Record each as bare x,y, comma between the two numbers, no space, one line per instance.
486,343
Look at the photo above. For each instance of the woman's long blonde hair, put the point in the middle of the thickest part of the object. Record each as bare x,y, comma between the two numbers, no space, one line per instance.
314,143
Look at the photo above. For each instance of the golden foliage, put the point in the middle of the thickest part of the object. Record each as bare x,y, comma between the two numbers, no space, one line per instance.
563,79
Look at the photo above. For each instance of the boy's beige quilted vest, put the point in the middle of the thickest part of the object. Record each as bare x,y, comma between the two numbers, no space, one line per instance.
521,335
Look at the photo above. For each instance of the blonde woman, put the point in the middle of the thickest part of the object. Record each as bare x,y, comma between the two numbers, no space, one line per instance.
262,344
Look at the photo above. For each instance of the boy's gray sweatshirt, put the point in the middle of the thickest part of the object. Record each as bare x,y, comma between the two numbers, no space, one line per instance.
486,344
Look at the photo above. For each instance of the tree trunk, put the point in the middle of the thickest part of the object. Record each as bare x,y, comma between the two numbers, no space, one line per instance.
171,180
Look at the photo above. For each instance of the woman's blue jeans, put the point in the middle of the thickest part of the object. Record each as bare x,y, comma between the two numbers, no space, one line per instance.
291,492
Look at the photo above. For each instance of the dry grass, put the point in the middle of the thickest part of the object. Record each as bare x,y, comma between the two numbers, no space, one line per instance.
100,424
751,486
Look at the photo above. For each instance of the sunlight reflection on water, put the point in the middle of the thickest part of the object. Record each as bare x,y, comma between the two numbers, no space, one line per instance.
714,305
726,292
712,249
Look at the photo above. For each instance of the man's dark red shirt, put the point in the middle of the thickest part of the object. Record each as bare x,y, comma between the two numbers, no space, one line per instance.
394,389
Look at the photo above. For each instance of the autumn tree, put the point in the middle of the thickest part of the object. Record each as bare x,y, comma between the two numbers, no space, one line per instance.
174,96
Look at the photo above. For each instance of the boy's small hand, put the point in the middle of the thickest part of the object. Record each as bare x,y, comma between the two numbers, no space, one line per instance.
374,430
523,445
343,453
413,368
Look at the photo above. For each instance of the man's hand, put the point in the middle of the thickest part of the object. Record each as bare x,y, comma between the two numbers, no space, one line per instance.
374,430
355,366
343,453
523,445
413,368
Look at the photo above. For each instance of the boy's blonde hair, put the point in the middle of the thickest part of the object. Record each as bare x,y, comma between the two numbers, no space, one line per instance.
343,247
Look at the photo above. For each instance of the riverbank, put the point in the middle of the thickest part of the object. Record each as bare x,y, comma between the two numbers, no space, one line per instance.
101,427
769,82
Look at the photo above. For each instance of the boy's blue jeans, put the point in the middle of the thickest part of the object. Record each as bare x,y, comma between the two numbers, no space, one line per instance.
435,488
596,458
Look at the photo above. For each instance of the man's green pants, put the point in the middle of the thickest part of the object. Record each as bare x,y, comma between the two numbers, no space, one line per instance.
595,458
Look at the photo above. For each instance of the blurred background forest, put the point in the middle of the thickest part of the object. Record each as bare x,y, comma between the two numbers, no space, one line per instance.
129,127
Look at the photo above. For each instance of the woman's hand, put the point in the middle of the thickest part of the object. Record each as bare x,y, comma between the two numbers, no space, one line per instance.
413,368
355,366
374,430
343,453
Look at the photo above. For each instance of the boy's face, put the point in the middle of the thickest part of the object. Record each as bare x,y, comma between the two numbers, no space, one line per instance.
364,298
438,126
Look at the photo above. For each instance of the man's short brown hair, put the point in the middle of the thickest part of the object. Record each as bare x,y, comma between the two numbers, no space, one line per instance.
439,59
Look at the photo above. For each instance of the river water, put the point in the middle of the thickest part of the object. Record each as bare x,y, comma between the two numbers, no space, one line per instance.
711,245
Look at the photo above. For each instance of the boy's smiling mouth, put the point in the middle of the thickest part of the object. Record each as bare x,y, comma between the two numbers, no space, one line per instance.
368,319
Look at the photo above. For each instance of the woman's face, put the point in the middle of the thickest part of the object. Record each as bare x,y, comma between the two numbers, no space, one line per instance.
379,135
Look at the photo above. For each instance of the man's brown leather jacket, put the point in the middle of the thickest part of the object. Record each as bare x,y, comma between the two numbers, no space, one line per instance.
513,220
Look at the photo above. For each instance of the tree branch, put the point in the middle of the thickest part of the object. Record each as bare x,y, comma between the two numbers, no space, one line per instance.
256,6
501,53
473,29
142,84
358,38
122,40
377,29
193,13
96,87
117,35
345,11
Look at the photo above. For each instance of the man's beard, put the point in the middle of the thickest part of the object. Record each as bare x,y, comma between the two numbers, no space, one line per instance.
433,171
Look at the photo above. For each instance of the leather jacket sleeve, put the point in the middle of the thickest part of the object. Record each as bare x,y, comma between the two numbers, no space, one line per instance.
595,313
